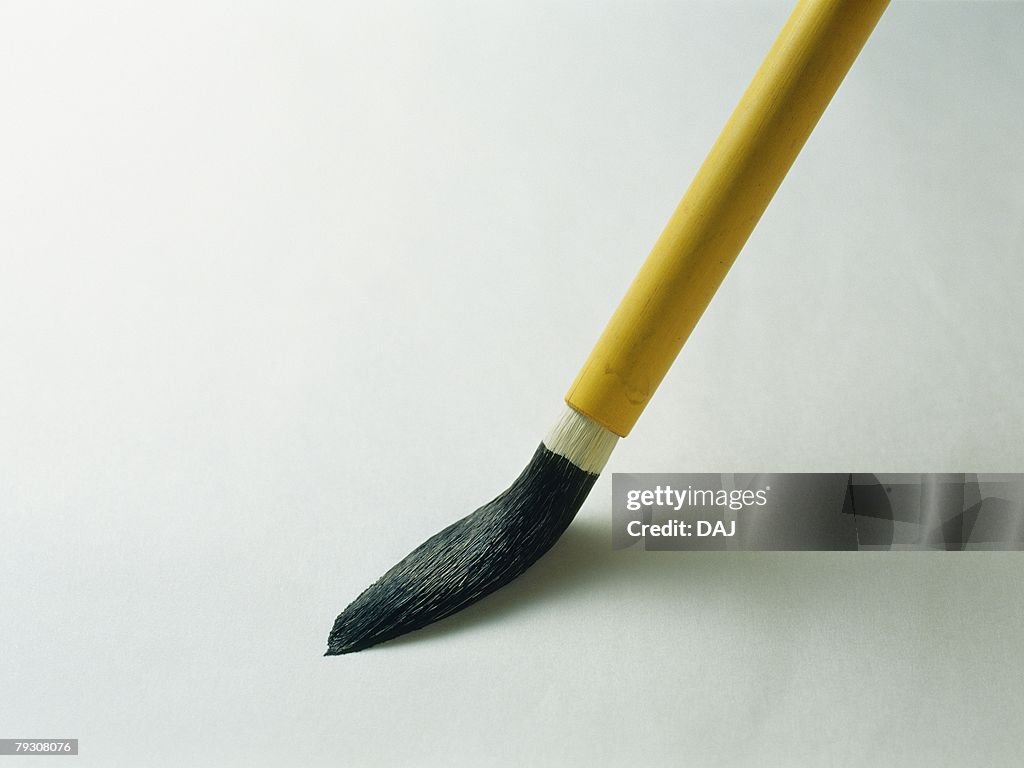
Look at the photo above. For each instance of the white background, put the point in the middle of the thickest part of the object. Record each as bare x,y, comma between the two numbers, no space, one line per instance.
287,287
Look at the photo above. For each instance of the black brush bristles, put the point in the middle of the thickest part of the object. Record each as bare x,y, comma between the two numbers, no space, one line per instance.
469,559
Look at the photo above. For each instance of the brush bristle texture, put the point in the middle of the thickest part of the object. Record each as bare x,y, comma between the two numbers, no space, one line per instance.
582,441
469,559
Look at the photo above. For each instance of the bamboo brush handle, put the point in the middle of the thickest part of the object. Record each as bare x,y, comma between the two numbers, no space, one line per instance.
763,136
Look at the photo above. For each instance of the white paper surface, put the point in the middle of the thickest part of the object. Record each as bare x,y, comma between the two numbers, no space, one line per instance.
287,288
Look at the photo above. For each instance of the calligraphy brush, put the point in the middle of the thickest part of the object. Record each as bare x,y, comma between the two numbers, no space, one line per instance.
490,547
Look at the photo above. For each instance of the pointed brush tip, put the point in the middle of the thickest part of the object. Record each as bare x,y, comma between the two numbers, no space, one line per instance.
480,553
339,645
339,650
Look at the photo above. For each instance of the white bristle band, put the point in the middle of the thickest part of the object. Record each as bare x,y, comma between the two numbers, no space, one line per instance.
582,441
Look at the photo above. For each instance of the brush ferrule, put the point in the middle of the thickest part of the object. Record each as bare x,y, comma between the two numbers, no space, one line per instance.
582,441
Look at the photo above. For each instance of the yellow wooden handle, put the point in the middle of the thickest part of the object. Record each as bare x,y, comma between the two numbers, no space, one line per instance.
763,136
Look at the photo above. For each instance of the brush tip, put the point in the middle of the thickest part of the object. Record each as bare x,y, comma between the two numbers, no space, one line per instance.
470,558
342,639
339,650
